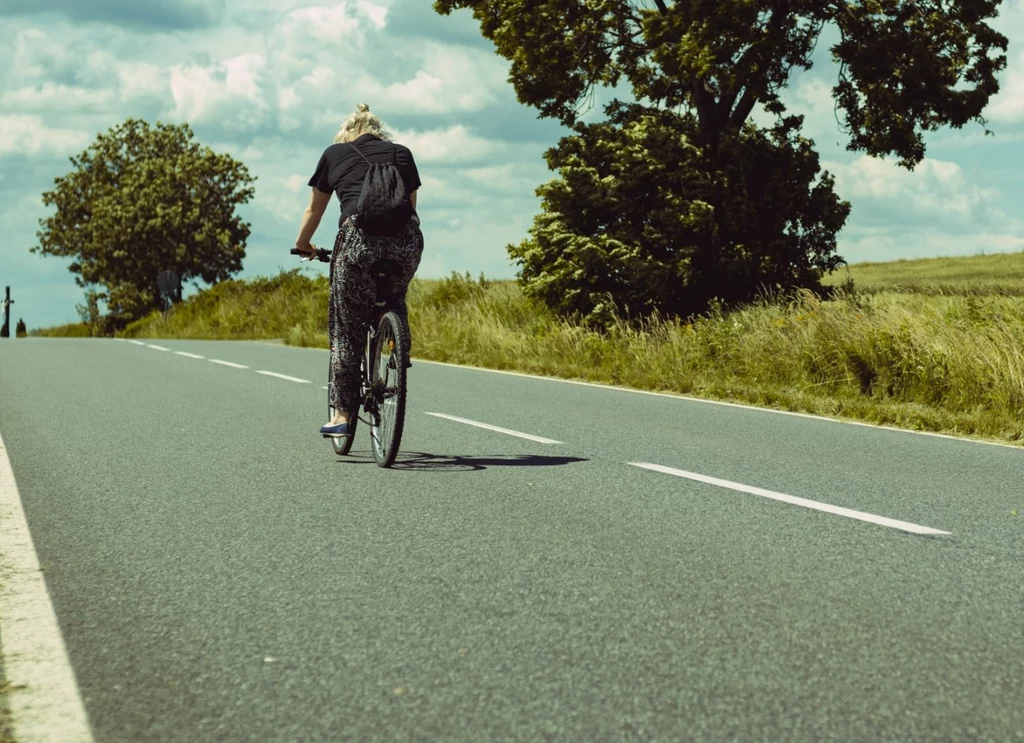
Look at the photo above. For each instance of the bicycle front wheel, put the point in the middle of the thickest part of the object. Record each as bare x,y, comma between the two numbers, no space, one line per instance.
390,356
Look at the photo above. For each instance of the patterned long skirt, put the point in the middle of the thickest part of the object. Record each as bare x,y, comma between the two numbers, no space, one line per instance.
353,292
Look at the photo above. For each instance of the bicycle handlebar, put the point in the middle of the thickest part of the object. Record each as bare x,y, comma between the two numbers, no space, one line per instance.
322,254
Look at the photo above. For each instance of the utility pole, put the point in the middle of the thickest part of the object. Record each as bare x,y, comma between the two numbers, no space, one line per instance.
5,331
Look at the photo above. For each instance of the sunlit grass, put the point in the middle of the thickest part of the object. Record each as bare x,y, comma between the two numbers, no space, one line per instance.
946,353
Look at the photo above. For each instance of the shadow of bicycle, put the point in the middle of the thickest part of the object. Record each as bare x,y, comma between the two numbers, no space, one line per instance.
422,462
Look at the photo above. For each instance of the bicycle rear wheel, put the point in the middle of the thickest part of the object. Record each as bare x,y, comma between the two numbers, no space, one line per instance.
389,354
343,444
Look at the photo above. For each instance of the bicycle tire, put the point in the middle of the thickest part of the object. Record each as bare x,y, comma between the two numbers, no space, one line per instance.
386,435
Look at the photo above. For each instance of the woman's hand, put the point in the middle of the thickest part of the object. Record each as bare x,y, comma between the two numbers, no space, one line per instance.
307,249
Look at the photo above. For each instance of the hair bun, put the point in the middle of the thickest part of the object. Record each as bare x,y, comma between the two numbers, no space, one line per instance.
362,108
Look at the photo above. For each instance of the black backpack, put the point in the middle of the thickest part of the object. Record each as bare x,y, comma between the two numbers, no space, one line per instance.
384,208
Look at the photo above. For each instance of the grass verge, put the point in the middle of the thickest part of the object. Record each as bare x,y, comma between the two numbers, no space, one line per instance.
6,731
936,355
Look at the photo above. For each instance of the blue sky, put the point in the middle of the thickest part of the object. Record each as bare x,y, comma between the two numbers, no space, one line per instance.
270,80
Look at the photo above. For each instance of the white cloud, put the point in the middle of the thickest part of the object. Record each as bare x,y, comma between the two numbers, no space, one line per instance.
24,134
54,97
937,191
1008,105
142,80
454,145
228,92
442,85
335,22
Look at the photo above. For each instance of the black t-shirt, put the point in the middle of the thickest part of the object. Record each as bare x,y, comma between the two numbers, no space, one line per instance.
341,170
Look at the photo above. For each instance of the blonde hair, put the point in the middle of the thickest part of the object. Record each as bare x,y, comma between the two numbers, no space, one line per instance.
360,123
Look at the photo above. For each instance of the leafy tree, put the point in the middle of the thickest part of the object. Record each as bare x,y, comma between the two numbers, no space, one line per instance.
20,331
630,226
698,202
142,199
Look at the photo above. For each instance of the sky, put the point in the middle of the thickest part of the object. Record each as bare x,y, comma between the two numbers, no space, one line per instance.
269,81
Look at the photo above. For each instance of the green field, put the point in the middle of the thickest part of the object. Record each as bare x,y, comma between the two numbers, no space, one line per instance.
933,344
982,275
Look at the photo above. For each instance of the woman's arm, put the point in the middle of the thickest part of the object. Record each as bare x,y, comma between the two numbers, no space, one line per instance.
318,201
412,198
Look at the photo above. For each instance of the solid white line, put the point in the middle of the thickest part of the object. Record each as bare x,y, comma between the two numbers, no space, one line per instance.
189,355
531,437
157,348
232,364
284,376
45,703
723,403
792,499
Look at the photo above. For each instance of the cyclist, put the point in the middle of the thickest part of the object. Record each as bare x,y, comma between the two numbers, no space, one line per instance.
341,170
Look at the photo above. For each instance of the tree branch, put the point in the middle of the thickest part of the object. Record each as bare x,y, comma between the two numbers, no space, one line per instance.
753,55
743,109
705,103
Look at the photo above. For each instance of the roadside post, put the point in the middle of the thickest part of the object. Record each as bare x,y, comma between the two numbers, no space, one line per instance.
170,289
5,331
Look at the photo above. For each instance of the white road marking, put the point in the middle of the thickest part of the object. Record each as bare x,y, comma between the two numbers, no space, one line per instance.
531,437
189,355
232,364
325,388
137,343
284,376
792,499
157,348
45,703
722,403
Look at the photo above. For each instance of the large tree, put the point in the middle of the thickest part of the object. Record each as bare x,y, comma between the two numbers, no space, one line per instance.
684,166
142,199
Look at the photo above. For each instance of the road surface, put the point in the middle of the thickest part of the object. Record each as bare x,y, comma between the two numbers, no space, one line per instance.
598,565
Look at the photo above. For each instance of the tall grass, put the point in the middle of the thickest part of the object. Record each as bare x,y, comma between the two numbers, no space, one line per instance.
71,330
941,363
949,360
288,306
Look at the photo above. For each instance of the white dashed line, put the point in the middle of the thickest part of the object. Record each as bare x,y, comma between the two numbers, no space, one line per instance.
232,364
189,355
531,437
722,403
157,348
284,376
137,343
44,701
793,500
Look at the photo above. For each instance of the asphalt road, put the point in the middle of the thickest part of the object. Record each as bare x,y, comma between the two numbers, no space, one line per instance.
219,574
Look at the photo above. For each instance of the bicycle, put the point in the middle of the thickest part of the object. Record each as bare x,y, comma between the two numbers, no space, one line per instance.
382,395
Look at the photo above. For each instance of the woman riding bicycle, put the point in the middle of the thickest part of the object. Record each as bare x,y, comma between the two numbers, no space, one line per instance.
361,140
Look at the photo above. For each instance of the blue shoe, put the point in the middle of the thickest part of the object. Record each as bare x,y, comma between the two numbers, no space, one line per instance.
342,430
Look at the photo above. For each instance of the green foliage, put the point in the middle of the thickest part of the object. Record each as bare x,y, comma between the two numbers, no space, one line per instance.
279,307
906,66
454,289
629,228
71,330
677,199
1000,274
142,199
20,330
951,363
